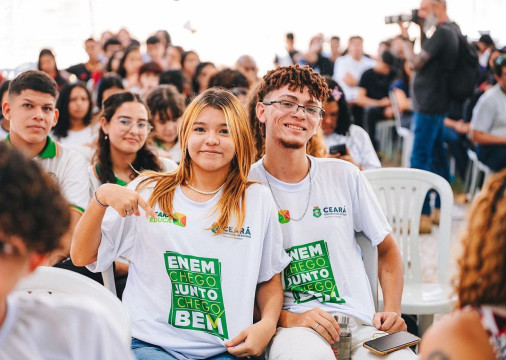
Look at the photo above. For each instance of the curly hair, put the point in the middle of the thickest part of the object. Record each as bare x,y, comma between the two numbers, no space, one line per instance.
296,77
31,205
315,146
62,127
481,278
145,159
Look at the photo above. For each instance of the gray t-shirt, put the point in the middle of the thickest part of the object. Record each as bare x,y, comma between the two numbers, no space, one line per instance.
489,114
430,83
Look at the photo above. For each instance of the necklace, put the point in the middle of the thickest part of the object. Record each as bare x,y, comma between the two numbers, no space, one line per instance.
205,192
276,201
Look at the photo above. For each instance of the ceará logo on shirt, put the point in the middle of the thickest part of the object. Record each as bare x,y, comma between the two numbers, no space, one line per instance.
330,211
233,233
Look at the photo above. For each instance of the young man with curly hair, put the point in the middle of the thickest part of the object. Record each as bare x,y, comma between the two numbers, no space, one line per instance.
33,217
31,110
321,203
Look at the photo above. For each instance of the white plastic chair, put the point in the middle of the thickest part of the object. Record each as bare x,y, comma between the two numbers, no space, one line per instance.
401,193
477,168
63,282
370,258
406,136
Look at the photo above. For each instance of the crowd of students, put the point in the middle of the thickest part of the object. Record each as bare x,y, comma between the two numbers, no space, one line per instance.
205,186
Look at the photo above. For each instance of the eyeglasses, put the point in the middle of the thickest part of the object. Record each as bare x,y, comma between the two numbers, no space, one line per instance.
143,127
311,111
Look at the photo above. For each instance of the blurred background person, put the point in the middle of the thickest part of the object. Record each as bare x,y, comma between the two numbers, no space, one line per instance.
4,123
47,63
338,129
166,106
203,72
129,68
73,128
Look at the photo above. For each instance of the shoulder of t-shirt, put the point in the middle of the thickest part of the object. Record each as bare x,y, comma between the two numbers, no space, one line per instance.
167,164
255,169
357,130
331,164
258,189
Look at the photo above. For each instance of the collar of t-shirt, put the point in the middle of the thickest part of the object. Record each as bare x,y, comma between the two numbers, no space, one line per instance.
9,321
289,187
51,150
118,180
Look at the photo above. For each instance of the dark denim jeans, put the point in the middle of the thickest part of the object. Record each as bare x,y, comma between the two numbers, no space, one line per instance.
428,149
145,351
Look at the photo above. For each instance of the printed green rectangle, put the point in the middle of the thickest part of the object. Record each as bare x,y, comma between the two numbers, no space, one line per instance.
309,276
197,298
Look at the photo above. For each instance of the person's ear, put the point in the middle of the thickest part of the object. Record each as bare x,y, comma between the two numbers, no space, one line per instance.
56,116
34,260
6,110
260,111
105,125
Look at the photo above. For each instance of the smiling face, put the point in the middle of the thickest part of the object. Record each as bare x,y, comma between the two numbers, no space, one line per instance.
291,130
122,139
210,144
79,103
32,114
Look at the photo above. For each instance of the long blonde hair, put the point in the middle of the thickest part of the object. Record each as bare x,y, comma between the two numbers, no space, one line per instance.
482,263
232,203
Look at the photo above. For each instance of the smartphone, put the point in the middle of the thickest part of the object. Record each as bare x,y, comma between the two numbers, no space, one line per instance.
338,149
392,342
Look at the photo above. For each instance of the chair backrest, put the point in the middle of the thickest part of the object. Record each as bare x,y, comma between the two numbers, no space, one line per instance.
63,282
397,111
401,193
370,258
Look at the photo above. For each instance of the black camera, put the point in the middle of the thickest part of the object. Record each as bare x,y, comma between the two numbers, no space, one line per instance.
338,149
394,19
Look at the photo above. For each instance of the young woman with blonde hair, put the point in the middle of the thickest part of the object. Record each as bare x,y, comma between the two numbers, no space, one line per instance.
202,247
478,329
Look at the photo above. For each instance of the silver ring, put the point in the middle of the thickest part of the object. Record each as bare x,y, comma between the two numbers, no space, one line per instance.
316,327
128,211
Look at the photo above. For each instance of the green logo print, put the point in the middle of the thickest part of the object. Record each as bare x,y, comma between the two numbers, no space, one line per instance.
317,212
197,300
309,276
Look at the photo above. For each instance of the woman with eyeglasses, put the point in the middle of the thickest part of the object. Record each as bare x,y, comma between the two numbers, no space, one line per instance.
122,151
204,243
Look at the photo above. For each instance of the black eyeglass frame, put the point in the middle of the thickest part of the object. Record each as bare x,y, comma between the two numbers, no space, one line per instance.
321,114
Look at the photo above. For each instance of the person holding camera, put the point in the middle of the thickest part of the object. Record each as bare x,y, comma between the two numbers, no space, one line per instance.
344,140
430,95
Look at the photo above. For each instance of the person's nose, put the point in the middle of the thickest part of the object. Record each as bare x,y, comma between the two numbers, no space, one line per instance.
212,138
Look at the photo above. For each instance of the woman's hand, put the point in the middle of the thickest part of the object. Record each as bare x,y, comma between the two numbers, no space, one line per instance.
253,340
125,201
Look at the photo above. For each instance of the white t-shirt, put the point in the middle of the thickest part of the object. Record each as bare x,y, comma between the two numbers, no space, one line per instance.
40,327
489,114
189,290
360,146
327,269
68,168
83,141
3,133
347,64
167,166
174,152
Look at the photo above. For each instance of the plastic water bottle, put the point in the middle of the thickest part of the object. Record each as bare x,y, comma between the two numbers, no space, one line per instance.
342,348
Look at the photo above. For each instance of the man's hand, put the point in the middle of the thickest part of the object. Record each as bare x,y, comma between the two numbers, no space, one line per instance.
389,322
404,26
317,319
254,339
350,80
